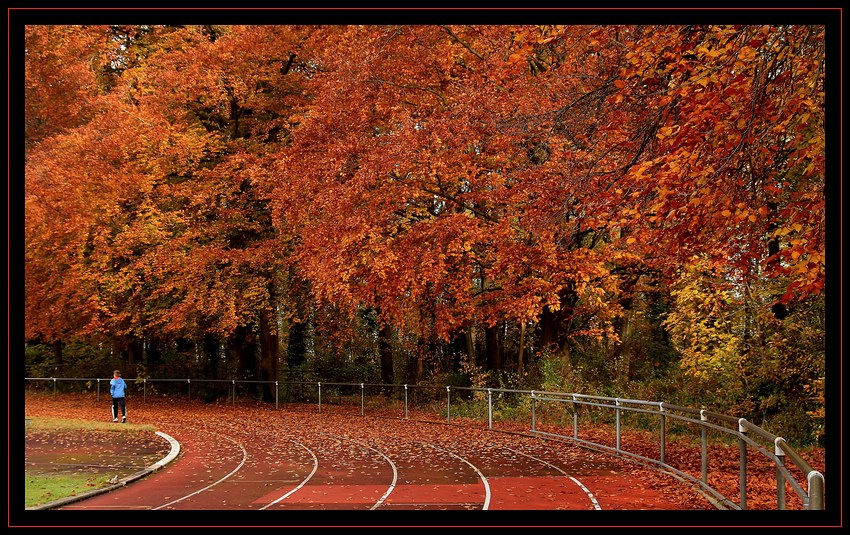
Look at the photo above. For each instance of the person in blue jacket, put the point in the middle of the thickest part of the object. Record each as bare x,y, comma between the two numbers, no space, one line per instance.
117,386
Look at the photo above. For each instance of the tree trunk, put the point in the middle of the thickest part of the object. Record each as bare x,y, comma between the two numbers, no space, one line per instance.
385,350
457,347
135,353
521,348
210,348
296,347
268,353
420,367
550,326
624,358
779,310
470,345
242,347
554,324
493,347
58,363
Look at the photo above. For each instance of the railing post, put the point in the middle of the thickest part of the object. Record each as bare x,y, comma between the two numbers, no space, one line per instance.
362,403
575,419
617,411
405,401
98,389
145,390
276,393
54,389
233,395
780,477
742,446
663,448
490,407
704,445
448,404
189,388
533,415
320,396
815,480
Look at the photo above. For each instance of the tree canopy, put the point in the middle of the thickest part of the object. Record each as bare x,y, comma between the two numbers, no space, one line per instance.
494,194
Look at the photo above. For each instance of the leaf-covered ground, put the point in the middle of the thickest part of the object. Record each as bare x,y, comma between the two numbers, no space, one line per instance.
246,456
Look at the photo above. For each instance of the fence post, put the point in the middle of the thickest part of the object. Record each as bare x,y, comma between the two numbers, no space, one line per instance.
575,419
490,407
742,446
405,401
320,396
362,404
533,415
704,446
233,390
276,393
663,432
815,480
780,477
54,389
448,404
98,389
617,411
189,388
145,390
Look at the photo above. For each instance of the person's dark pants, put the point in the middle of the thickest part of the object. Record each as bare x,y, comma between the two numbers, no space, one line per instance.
118,403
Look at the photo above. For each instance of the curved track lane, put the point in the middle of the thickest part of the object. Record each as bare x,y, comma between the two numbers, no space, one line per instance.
302,461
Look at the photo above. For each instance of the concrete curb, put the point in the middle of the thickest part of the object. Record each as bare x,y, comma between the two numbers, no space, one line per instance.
175,450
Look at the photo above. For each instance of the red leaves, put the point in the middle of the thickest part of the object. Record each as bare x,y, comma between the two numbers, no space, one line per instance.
474,172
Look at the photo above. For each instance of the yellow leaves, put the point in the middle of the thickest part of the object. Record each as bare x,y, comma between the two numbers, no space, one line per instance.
665,131
726,213
631,240
788,229
747,53
699,323
619,84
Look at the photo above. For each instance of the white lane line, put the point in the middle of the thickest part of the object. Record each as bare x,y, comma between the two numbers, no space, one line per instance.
483,479
244,458
304,482
395,473
576,481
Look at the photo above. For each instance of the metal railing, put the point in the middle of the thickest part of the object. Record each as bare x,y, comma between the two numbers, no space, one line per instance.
774,448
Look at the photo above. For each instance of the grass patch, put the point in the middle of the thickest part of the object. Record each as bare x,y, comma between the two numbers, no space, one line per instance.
43,488
64,424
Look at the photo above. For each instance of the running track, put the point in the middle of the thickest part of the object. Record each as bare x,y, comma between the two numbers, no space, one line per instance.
293,462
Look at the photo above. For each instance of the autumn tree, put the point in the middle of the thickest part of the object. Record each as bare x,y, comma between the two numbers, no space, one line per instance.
472,197
180,242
